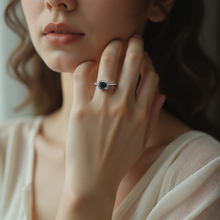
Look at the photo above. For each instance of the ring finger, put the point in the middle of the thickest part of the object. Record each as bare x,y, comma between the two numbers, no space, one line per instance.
108,68
131,69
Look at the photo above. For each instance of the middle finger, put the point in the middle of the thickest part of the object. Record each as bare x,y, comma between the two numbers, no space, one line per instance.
131,68
108,68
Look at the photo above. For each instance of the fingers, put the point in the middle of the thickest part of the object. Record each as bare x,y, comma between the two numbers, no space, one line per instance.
136,61
108,69
131,68
81,87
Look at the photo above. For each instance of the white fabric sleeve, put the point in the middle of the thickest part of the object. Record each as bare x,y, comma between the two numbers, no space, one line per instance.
191,186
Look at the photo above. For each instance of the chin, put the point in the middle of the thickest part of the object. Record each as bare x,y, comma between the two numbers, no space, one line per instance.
61,65
65,61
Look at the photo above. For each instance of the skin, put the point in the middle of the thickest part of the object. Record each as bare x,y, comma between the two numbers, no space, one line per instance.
87,17
106,36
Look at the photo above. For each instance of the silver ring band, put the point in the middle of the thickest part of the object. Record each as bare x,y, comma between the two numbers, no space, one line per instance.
103,84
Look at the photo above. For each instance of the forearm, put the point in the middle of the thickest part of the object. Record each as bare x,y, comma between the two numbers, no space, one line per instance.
93,207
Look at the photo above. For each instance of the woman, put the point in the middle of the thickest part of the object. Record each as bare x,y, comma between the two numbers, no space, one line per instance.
94,152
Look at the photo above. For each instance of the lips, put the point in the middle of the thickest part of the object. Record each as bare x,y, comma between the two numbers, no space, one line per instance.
52,27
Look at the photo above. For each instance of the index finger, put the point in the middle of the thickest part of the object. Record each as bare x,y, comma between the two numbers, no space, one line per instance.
81,87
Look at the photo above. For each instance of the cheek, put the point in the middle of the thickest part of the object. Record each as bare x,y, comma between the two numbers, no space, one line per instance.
103,20
32,7
115,16
32,10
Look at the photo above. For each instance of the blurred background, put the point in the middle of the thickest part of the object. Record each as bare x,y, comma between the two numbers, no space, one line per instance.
12,93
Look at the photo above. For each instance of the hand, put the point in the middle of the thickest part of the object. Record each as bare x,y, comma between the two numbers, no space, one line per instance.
108,133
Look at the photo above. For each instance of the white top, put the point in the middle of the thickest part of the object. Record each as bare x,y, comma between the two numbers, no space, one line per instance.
183,183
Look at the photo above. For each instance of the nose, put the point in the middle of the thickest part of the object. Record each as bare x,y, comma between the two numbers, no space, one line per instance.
67,5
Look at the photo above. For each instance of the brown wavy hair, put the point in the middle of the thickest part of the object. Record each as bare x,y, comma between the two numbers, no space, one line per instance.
188,77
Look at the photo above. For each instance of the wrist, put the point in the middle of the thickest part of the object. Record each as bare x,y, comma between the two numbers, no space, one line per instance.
93,205
80,191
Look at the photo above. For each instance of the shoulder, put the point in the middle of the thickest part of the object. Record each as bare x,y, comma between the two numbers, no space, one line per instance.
17,121
15,131
200,149
200,154
11,126
190,187
16,139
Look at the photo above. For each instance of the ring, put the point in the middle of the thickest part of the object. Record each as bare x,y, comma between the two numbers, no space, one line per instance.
103,84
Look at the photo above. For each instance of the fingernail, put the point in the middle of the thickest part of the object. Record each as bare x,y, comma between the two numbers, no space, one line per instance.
120,40
162,101
138,36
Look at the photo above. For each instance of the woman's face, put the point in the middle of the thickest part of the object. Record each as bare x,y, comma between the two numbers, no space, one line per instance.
101,21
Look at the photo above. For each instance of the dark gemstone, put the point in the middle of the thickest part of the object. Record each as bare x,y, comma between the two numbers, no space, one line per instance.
103,85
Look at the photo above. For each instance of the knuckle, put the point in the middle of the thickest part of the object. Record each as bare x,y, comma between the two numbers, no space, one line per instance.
142,117
135,58
78,113
102,109
121,110
109,60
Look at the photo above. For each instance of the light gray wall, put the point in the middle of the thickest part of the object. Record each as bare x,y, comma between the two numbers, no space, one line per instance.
12,92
